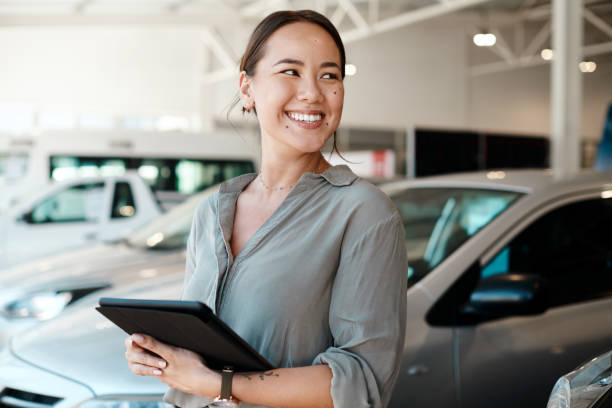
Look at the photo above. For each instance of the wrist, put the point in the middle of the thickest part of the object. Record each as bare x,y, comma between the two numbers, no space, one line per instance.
211,386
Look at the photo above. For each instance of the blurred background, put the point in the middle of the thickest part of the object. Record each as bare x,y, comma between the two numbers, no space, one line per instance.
116,121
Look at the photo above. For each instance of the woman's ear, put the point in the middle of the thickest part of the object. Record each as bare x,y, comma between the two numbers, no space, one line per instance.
245,92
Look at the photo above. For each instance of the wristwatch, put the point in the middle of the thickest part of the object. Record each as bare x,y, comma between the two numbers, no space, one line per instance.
225,398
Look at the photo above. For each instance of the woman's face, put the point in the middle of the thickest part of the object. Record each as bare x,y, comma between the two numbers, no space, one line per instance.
297,88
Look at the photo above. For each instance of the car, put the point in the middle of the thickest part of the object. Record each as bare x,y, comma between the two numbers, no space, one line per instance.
509,287
41,289
75,213
588,386
79,358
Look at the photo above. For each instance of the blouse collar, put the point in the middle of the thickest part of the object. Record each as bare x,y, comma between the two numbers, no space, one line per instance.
338,176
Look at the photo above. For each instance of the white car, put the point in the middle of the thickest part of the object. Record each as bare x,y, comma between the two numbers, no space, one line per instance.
75,213
510,286
41,289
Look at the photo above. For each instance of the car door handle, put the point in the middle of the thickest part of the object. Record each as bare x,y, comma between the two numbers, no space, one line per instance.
417,369
91,236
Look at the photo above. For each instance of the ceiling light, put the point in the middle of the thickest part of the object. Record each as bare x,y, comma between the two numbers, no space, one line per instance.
496,175
547,54
350,69
606,194
485,39
587,66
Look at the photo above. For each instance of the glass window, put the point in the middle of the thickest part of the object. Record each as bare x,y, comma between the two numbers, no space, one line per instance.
438,220
123,201
12,167
185,176
170,230
571,247
79,203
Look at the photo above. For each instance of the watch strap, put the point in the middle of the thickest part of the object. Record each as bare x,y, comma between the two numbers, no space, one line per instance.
227,375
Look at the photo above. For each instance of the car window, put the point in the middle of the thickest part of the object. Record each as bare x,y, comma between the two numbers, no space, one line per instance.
78,203
123,201
571,247
169,231
439,220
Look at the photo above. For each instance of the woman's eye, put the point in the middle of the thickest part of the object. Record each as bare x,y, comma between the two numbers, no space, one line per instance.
330,76
290,72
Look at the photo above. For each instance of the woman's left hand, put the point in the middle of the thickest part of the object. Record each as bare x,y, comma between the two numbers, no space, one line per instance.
179,368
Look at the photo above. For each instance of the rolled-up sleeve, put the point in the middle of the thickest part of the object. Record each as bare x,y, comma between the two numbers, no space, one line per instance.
367,317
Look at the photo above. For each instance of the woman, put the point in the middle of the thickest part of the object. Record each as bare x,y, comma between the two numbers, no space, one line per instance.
304,260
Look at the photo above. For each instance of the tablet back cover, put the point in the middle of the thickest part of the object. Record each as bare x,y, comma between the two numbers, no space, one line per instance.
213,340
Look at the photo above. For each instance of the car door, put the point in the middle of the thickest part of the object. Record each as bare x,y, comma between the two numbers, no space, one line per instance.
123,214
515,360
66,218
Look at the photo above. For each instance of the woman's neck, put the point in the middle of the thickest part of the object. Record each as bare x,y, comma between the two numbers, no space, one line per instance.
277,174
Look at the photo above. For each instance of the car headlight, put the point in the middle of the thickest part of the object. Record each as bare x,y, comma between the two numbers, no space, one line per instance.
140,401
560,397
42,305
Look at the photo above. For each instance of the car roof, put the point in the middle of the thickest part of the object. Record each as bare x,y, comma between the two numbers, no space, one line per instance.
525,181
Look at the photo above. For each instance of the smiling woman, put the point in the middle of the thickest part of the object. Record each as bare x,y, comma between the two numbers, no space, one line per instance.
303,260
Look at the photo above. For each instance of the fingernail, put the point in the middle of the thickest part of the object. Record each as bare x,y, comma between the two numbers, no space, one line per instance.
137,338
157,372
162,364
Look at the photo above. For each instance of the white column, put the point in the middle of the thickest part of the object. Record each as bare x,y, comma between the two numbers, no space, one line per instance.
566,87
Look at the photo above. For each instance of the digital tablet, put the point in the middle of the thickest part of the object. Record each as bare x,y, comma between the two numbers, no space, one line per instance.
186,324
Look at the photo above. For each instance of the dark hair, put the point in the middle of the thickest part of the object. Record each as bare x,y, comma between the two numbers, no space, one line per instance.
256,46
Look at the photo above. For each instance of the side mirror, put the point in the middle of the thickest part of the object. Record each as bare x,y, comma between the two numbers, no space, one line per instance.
508,295
27,218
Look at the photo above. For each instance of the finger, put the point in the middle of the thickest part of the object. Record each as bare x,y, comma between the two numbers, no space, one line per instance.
144,370
145,358
130,345
151,344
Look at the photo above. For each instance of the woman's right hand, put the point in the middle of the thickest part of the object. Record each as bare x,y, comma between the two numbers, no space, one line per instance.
142,361
177,367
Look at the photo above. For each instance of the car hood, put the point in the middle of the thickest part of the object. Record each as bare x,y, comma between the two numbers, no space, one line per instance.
104,265
84,346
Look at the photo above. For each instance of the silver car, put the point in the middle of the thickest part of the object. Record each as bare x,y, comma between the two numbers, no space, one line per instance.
509,287
41,289
588,386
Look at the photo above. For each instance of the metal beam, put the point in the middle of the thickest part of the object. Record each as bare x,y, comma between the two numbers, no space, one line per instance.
167,19
502,46
373,10
566,88
411,17
598,22
354,14
219,48
527,61
538,41
338,15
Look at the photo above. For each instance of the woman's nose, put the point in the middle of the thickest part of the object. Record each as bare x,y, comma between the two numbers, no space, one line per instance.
309,91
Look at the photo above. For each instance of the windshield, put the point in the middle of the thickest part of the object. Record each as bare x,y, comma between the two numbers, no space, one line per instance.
171,230
440,220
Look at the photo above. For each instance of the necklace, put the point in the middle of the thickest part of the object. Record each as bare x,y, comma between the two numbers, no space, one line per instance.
269,188
279,188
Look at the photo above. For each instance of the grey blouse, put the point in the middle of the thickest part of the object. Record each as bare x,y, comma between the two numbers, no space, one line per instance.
323,281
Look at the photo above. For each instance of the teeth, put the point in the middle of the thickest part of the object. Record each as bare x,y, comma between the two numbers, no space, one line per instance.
305,118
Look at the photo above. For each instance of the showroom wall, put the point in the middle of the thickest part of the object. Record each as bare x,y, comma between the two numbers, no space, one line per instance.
108,70
415,75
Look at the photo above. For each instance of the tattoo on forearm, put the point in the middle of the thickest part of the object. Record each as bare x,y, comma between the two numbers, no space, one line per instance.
262,376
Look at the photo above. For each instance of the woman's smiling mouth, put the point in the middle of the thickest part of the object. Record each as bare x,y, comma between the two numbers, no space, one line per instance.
306,120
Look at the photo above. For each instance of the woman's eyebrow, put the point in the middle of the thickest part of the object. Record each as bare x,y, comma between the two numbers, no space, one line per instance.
329,64
289,61
293,61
